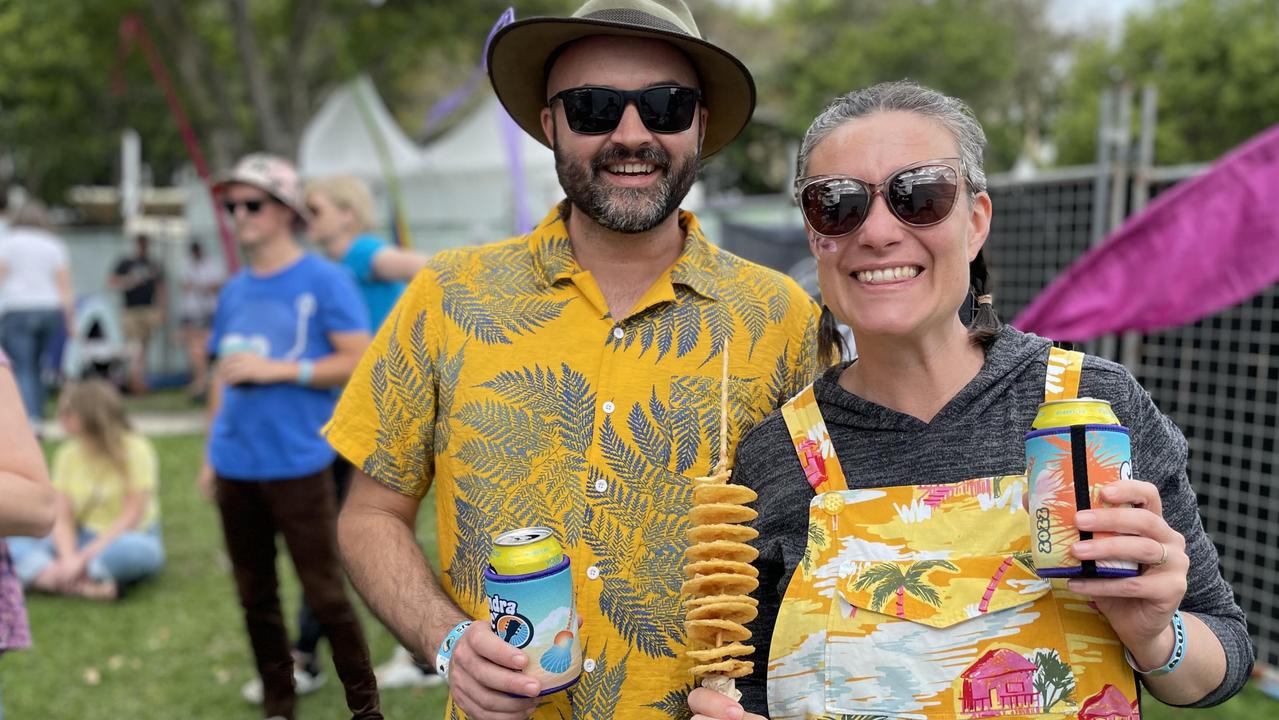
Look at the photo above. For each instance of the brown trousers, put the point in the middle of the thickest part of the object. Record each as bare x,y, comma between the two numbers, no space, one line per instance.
303,510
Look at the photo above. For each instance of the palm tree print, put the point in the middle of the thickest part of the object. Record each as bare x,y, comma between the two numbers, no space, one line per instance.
1053,679
1022,557
891,579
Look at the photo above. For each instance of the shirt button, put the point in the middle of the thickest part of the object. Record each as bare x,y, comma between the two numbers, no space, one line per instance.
609,407
619,333
601,485
593,572
588,665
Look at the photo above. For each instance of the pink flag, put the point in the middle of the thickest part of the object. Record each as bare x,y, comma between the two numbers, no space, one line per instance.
1208,243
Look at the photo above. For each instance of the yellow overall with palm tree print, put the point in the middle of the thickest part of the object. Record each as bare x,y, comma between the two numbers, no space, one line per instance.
920,601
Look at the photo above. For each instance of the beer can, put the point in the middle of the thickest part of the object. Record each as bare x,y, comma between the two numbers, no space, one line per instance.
1067,465
530,596
1077,411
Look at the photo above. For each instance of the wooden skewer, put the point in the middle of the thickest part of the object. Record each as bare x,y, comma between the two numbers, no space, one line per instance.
722,467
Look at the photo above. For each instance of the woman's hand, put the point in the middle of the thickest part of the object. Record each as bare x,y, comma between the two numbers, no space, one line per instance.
707,704
65,572
1139,608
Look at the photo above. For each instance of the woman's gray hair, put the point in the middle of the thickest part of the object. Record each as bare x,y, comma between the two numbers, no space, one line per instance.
904,96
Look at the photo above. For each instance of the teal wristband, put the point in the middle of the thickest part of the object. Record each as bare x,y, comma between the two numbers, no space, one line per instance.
1178,650
306,371
445,656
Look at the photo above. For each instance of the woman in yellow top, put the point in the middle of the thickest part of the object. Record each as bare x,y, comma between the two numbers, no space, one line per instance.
107,531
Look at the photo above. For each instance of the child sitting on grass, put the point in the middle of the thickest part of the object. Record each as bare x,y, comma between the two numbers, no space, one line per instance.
107,531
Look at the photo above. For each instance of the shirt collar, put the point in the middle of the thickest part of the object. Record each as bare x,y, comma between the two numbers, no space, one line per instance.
697,268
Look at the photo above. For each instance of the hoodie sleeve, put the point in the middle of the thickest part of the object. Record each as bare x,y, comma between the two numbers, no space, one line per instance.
1159,456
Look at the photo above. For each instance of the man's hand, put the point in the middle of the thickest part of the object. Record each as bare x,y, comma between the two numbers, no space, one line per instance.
243,368
485,672
206,482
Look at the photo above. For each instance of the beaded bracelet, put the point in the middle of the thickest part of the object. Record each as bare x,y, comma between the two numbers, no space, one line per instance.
444,657
1178,650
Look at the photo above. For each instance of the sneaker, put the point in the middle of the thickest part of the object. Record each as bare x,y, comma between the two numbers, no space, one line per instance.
305,681
402,671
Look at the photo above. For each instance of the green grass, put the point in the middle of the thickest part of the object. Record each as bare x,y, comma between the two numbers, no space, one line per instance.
175,647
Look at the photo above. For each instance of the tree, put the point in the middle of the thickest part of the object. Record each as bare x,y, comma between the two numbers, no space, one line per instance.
249,74
1053,680
889,579
998,55
1214,63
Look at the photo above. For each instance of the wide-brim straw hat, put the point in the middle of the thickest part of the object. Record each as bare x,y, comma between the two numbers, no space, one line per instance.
272,174
519,52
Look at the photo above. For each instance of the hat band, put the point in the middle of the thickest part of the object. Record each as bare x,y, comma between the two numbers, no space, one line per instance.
637,18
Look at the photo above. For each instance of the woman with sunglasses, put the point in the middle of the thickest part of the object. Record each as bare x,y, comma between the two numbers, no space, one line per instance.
893,540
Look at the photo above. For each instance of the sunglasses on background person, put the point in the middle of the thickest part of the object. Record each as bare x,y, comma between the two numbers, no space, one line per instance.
920,195
251,207
598,110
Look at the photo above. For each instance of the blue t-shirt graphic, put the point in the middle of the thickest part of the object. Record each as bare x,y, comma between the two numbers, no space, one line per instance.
379,295
272,432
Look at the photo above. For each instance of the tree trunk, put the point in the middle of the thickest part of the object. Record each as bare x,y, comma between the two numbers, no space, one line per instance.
901,602
274,137
994,583
211,108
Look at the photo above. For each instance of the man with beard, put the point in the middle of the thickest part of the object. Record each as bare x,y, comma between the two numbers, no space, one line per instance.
570,378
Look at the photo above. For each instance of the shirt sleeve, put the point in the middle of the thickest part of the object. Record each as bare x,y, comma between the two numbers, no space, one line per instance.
384,423
1159,456
61,467
359,258
342,307
143,465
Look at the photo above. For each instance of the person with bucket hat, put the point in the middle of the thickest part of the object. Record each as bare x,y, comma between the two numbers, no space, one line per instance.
287,330
570,378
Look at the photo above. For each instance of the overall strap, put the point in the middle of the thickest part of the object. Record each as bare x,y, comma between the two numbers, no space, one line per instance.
1062,380
812,442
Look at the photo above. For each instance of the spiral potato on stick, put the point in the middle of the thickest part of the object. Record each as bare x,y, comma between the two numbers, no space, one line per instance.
719,573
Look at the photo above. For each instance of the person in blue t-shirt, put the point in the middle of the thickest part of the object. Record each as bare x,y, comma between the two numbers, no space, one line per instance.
287,331
342,220
341,224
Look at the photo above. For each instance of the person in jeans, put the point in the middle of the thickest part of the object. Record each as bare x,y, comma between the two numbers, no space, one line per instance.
288,329
107,531
36,298
201,280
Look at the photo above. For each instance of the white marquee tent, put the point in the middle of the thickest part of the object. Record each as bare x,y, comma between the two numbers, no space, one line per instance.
456,190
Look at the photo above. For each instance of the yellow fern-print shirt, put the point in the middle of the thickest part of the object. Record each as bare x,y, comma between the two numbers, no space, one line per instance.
501,378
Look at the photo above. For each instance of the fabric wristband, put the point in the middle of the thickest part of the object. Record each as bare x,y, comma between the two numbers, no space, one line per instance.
306,371
445,655
1178,650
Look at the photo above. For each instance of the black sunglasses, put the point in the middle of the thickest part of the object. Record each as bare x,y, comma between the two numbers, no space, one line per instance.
252,207
920,194
598,110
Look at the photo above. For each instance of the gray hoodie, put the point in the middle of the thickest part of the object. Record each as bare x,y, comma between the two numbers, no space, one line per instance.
979,433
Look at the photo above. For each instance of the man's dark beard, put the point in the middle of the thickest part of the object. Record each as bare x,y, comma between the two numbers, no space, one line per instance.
600,201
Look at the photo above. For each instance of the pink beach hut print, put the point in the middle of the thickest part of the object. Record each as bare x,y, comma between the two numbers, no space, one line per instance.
1109,704
1001,682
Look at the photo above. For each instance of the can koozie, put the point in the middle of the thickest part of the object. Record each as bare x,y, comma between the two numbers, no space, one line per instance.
535,612
1067,466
